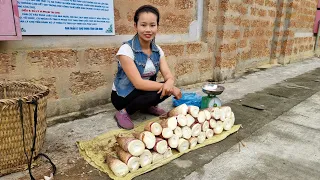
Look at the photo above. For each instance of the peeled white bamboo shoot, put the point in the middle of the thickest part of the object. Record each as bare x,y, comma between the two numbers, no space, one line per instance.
219,128
209,133
190,120
201,117
145,158
208,114
223,116
173,141
170,122
201,137
161,146
118,167
193,141
168,153
227,111
205,126
167,133
212,123
182,109
147,137
186,132
216,113
153,127
233,117
132,145
182,120
156,157
183,145
131,161
195,129
178,132
193,111
229,122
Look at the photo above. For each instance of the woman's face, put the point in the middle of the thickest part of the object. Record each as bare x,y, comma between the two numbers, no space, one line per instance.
147,26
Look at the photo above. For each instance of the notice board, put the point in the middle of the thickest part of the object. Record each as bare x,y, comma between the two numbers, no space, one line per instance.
66,17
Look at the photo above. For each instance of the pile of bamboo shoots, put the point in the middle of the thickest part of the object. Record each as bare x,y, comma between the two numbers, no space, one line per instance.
184,128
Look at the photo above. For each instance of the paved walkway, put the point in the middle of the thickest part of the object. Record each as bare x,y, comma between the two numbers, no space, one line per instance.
286,148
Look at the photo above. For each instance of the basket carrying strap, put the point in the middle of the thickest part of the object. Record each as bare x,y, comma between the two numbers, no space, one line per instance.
35,115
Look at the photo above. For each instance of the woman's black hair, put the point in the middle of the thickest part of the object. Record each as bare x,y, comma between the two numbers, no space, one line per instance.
146,8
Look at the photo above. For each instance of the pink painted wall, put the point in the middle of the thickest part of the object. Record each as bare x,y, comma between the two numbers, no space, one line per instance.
316,26
9,20
7,27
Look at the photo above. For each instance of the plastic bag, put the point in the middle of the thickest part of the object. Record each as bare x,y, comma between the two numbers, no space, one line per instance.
188,99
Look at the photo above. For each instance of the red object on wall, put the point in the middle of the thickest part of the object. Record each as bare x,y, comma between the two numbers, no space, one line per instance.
9,21
316,21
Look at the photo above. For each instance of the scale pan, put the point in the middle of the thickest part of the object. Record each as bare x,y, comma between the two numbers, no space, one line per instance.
212,89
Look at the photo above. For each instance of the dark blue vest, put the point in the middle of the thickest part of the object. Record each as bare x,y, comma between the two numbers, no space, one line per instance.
122,82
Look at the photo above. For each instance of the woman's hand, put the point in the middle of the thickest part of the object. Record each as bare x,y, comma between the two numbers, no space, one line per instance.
166,89
177,93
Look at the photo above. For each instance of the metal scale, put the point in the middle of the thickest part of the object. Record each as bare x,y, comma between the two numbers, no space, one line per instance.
211,100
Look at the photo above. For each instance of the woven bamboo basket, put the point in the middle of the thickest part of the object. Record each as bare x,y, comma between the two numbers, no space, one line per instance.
12,154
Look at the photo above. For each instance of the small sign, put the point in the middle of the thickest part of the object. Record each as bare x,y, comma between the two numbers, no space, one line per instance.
66,17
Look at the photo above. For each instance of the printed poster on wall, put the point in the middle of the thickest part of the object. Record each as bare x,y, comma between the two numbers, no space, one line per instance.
66,17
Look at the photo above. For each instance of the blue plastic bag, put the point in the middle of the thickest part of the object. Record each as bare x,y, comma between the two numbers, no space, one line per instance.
188,99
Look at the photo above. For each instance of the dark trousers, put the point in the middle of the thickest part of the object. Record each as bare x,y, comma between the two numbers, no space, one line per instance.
136,100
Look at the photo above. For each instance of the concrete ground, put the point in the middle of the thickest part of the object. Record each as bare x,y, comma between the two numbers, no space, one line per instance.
286,148
279,109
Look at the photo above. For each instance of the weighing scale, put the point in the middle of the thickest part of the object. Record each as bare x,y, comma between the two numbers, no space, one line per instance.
212,90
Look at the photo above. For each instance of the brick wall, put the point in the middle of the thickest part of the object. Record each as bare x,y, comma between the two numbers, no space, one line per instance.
302,21
293,39
176,15
244,35
236,35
